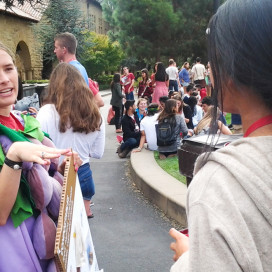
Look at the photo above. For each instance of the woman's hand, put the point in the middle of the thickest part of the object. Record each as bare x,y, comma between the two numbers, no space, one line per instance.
138,149
31,111
181,245
77,162
25,151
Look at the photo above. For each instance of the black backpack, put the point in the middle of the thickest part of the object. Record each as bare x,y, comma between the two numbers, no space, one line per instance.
165,133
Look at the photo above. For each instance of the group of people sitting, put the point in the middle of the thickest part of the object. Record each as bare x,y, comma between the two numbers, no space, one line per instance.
181,115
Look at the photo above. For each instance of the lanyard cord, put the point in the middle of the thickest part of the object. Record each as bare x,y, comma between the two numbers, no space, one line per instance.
258,124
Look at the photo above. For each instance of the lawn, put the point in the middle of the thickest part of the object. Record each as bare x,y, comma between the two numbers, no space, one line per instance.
228,118
170,166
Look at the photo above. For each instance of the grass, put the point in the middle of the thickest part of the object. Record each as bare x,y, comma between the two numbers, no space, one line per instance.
170,166
228,118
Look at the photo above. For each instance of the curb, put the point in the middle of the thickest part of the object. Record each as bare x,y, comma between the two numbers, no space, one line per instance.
105,93
159,187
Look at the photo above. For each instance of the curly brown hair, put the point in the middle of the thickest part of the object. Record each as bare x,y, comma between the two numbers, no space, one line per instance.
73,100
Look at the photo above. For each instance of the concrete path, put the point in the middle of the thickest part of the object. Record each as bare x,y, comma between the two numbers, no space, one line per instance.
130,234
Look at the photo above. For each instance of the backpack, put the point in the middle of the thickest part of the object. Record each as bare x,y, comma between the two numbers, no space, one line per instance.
165,133
28,101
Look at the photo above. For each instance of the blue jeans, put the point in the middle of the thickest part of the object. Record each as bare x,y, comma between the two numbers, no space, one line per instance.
86,181
130,96
130,143
173,84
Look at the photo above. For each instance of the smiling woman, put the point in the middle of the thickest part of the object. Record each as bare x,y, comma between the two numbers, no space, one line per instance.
9,82
25,182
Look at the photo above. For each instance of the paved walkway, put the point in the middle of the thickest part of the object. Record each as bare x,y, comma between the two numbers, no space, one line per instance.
129,233
159,187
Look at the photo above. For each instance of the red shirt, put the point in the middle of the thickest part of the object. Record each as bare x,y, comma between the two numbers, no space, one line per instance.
203,93
11,122
126,82
93,87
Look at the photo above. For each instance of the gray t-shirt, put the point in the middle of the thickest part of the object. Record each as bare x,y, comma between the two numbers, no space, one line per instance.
179,128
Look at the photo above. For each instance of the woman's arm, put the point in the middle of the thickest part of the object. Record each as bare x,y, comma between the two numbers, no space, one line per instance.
131,85
10,178
119,91
97,149
99,100
224,129
142,141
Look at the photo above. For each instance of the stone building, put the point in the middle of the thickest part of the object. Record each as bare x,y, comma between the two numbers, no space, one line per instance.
93,13
16,32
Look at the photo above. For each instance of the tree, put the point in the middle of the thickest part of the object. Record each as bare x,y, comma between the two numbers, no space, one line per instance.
157,30
10,3
60,16
143,28
100,54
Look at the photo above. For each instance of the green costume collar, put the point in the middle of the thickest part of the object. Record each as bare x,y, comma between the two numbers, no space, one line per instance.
24,205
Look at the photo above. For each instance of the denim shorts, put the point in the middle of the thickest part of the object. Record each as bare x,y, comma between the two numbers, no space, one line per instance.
86,181
185,84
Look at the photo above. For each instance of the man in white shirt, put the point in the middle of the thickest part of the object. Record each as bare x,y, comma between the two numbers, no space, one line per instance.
172,72
199,72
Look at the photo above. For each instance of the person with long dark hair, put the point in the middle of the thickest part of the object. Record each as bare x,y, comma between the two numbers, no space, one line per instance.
145,86
72,118
229,199
161,81
117,101
169,114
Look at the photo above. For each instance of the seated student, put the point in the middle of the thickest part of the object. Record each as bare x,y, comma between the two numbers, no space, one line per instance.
204,125
131,130
185,111
147,128
189,91
196,110
201,91
171,94
169,114
141,108
162,101
206,103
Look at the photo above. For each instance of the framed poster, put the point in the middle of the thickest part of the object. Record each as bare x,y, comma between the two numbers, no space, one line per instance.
74,250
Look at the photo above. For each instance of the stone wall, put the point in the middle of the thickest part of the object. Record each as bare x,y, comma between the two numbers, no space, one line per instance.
17,34
93,14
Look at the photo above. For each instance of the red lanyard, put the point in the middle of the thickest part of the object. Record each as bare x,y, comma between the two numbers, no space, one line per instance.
258,124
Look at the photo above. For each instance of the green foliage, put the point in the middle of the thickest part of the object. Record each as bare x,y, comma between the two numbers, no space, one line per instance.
104,79
171,166
41,81
101,55
60,16
156,30
228,118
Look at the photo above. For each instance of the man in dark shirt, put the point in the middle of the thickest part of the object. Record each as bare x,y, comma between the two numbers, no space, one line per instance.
131,130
